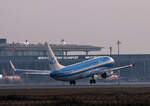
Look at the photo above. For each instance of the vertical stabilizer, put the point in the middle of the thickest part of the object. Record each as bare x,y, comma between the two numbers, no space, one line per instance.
54,64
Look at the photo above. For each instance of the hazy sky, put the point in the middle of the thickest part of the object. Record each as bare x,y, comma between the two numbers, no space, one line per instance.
92,22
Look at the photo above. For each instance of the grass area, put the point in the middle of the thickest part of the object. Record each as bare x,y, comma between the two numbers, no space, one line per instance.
76,96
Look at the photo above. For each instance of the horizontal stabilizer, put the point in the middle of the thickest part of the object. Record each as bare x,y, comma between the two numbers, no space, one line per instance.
37,73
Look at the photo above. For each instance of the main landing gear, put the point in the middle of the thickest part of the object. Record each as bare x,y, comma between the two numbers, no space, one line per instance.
92,81
72,82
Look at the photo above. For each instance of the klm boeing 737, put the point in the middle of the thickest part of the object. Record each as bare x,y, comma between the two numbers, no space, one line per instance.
101,66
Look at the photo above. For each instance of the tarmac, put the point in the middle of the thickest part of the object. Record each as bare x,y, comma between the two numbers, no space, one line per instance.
80,85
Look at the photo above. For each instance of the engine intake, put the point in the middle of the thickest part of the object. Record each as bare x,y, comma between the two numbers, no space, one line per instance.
104,75
109,75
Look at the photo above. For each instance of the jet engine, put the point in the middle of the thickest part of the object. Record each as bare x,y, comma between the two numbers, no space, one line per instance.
109,75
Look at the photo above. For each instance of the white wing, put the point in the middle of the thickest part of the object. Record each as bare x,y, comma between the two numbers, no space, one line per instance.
122,67
101,71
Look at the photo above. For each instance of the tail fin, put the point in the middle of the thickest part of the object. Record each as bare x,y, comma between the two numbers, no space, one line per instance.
53,60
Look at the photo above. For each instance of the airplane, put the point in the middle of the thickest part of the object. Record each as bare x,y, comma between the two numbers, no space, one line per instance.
102,66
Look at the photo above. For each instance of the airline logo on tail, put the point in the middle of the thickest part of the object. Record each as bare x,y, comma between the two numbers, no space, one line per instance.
52,61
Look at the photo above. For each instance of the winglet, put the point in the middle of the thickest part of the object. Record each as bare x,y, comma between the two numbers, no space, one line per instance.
132,65
12,66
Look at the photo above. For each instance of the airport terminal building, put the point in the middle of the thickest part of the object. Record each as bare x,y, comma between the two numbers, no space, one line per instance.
35,56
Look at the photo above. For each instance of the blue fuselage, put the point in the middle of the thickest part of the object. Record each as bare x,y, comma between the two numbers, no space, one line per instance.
83,69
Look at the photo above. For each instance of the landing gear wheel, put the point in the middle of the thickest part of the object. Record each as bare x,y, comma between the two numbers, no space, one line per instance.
92,81
72,82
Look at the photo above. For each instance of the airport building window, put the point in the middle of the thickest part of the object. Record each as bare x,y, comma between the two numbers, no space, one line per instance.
19,53
28,53
41,53
35,53
2,53
8,53
57,53
25,53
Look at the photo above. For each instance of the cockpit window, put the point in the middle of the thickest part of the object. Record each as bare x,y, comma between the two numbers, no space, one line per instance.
104,59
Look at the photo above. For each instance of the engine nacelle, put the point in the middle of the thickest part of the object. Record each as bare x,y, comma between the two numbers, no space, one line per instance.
109,75
106,74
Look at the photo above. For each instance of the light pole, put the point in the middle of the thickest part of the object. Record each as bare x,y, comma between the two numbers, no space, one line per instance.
110,49
63,43
118,44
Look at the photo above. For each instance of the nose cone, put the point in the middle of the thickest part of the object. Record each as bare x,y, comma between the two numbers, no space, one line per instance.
112,60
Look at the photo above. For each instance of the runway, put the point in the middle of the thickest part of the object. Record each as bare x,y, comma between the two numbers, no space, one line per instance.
99,85
81,95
